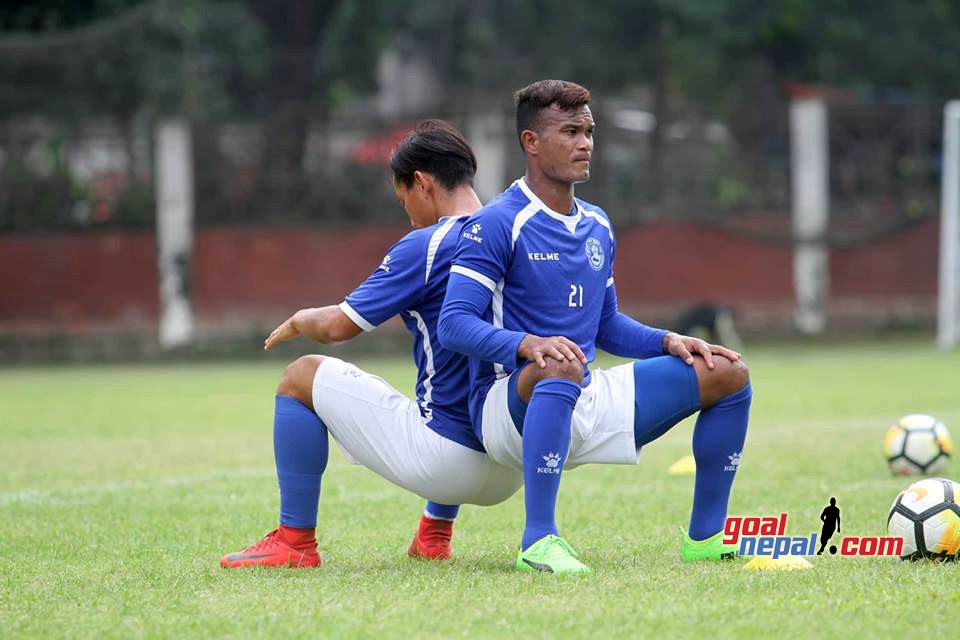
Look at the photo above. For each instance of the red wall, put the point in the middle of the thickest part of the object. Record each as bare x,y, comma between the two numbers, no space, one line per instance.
78,282
679,262
902,265
107,280
244,274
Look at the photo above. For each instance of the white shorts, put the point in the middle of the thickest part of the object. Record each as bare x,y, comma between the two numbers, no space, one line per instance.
601,430
381,429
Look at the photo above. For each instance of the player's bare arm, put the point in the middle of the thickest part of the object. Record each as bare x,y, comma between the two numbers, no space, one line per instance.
325,325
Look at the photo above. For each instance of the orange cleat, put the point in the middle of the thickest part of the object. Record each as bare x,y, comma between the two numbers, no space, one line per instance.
273,551
433,540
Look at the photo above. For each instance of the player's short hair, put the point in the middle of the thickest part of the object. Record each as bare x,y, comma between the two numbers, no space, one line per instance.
534,98
437,148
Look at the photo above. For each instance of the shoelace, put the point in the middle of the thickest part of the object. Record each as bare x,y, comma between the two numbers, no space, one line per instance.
560,542
266,540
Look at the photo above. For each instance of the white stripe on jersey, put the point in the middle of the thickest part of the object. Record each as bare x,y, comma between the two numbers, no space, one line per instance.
474,275
599,218
431,371
609,281
358,319
497,306
522,217
435,241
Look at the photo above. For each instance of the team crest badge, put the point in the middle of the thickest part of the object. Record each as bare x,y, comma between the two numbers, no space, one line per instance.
594,253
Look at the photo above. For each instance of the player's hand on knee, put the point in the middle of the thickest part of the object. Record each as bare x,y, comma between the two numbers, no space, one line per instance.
284,332
684,347
720,350
536,349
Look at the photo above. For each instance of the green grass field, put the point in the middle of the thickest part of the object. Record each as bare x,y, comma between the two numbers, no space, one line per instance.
121,486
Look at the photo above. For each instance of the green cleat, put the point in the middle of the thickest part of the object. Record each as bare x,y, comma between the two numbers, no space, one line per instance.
550,554
710,549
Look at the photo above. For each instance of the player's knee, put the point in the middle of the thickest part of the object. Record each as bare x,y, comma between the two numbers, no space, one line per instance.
297,380
740,374
567,369
724,379
735,375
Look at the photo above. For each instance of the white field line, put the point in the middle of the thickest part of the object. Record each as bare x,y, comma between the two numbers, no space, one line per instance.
878,483
76,495
71,496
878,424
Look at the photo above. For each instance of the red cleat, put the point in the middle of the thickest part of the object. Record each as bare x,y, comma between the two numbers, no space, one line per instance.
433,540
274,551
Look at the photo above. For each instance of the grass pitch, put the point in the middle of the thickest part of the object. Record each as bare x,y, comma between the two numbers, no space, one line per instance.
121,486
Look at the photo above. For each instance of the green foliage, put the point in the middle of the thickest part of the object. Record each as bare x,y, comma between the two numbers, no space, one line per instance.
134,206
39,192
214,57
848,44
350,49
290,66
173,56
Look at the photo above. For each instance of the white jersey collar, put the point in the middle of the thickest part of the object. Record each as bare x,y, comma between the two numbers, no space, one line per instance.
568,220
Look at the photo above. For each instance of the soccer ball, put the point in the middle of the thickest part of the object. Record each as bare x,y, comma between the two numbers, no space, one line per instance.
917,444
926,515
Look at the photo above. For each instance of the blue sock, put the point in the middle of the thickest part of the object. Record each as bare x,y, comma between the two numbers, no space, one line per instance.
717,446
546,442
300,451
439,511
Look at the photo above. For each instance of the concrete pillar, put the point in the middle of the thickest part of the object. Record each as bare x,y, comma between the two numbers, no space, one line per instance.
174,193
809,168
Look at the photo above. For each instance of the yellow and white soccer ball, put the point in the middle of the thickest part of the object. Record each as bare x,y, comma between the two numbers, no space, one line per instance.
917,445
927,516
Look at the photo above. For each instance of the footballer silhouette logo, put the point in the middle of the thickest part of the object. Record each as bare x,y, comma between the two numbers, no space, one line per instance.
831,522
594,253
734,461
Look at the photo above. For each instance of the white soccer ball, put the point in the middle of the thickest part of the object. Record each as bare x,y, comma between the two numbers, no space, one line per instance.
917,445
926,515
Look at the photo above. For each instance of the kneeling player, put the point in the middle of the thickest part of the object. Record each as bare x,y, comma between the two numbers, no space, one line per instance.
428,446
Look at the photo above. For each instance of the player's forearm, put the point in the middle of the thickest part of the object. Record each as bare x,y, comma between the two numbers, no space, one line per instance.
621,335
320,324
461,327
464,332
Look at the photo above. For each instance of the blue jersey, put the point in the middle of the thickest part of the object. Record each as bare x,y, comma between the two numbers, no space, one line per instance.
546,273
411,281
